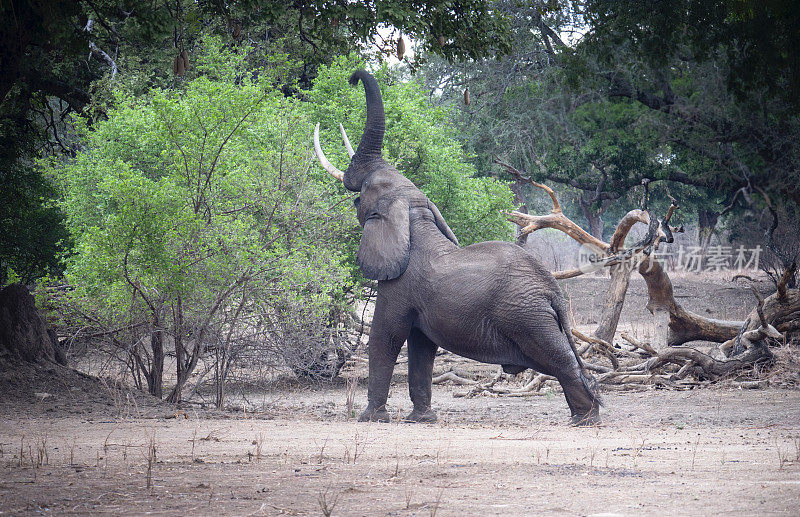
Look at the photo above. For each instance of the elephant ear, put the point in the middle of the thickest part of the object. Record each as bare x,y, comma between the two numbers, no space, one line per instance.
385,244
441,224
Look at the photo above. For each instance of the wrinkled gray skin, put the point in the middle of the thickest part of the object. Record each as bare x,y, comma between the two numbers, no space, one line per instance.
491,302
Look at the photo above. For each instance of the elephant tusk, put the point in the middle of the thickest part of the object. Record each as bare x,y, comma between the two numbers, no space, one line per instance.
333,171
350,151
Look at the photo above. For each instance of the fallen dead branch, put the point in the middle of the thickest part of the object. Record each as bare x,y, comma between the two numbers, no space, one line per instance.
644,347
454,378
534,383
606,348
641,365
684,326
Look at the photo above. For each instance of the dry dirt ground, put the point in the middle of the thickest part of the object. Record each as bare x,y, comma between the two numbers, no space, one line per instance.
93,449
704,452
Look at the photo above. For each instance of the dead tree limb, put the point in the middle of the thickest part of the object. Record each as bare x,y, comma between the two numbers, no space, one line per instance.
454,378
555,219
482,387
605,348
786,277
684,326
645,347
534,384
614,301
753,331
620,276
624,227
713,369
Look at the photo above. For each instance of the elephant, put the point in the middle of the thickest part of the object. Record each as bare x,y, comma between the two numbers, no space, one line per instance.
492,301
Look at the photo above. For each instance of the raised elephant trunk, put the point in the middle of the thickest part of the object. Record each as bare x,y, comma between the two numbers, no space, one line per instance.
367,158
368,154
372,139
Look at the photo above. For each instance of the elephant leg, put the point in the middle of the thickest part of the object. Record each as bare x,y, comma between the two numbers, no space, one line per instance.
385,342
421,353
583,402
551,354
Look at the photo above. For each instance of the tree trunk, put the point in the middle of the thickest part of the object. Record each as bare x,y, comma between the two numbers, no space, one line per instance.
706,223
180,352
23,332
593,217
615,299
155,381
519,201
684,326
222,374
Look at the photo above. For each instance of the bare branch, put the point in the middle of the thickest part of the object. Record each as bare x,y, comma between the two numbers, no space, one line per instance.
638,344
97,51
606,348
625,225
787,275
517,174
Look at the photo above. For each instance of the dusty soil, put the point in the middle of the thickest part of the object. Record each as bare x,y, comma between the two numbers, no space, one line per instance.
704,452
87,447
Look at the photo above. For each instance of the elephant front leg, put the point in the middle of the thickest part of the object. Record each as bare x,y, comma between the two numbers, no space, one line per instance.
421,353
383,350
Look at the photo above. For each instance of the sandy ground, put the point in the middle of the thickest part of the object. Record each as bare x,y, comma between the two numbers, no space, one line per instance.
88,448
704,452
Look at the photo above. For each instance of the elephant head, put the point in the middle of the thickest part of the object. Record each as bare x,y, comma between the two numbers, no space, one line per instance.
387,197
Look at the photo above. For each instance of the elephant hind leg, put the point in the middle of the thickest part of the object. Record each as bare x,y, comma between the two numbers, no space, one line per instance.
582,398
551,353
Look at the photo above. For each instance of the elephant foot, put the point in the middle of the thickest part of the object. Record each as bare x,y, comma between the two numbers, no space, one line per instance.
424,416
590,419
375,415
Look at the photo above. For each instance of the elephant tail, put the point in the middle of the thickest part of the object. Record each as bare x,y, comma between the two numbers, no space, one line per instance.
590,384
559,305
562,316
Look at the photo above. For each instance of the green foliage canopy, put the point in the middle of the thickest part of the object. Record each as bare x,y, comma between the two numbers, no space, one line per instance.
62,57
187,203
719,78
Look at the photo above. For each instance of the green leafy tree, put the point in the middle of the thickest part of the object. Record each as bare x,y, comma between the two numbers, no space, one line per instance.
719,82
664,94
720,79
45,76
64,57
454,29
522,109
202,226
32,232
198,224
